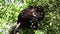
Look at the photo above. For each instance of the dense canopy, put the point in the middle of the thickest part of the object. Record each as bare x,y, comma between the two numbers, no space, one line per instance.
9,10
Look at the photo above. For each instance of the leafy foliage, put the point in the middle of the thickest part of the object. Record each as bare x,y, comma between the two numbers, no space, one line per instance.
49,25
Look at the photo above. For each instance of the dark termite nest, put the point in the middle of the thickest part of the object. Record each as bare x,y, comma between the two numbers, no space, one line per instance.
28,18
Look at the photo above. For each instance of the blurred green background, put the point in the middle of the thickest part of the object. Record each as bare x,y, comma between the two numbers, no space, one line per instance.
9,10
